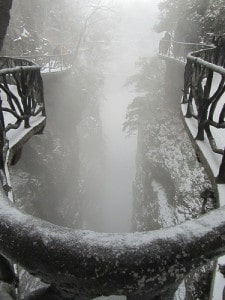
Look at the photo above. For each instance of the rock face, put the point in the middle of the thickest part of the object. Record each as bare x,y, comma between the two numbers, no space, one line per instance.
5,7
169,179
170,183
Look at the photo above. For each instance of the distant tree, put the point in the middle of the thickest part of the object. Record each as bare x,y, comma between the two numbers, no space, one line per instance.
92,16
147,82
185,19
5,7
45,27
214,17
25,34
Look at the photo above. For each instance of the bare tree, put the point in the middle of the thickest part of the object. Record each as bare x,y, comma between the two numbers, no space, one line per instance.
5,7
92,17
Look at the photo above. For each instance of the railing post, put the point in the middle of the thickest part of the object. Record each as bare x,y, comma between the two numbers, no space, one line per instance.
49,65
61,61
2,126
189,111
3,152
221,176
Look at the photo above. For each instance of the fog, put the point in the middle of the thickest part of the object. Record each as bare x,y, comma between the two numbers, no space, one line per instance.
84,155
84,171
133,38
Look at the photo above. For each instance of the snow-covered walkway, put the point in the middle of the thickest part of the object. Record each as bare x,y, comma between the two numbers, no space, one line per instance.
214,161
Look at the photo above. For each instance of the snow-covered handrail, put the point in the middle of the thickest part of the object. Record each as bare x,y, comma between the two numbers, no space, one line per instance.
21,92
21,99
93,264
52,63
204,103
87,263
204,98
178,50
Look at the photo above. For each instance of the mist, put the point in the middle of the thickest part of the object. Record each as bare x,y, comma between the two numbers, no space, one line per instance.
89,161
133,38
114,155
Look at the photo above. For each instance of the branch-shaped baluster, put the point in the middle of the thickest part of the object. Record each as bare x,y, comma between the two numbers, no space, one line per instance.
4,147
11,96
201,95
8,95
199,88
187,80
221,176
30,100
222,117
39,92
214,102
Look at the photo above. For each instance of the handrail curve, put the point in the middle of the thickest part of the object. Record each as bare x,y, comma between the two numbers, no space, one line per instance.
93,264
21,101
202,96
88,263
52,63
204,99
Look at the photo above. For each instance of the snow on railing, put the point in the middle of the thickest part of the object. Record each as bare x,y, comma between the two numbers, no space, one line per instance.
178,50
78,262
52,63
21,99
21,103
203,106
204,87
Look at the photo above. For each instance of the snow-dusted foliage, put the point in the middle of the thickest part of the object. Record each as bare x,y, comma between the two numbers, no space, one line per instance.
57,27
169,179
192,20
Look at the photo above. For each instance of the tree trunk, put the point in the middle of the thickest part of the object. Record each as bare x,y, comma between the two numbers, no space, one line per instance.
5,6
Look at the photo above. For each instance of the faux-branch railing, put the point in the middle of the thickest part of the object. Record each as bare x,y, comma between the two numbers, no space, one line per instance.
21,99
78,262
203,98
52,63
178,50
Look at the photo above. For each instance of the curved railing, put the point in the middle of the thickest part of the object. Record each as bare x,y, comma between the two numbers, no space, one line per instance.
203,106
204,86
21,101
87,263
178,50
22,114
52,63
201,93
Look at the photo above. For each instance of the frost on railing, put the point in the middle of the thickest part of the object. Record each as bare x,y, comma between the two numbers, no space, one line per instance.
204,86
52,63
21,99
85,263
178,50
